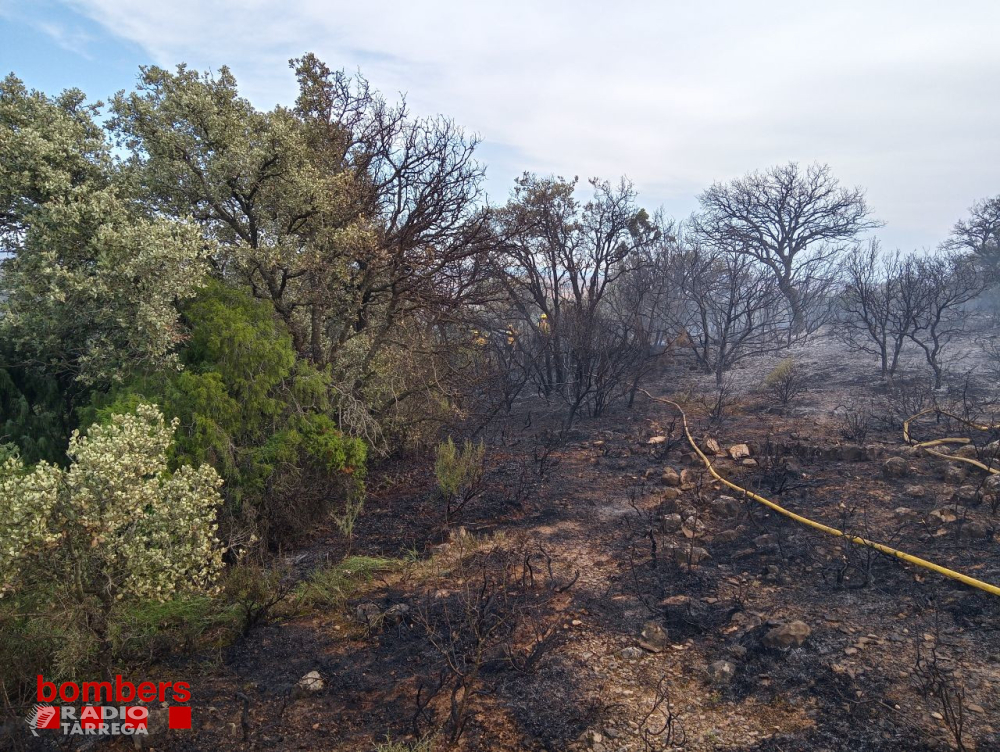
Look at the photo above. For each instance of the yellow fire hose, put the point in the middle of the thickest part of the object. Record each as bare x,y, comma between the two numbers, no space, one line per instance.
972,581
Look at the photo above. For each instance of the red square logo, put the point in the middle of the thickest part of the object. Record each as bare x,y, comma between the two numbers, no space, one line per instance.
179,717
47,717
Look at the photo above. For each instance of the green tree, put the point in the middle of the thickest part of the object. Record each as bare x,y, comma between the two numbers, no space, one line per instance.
91,276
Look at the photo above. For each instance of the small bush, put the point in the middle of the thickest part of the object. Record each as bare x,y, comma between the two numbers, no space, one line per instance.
855,420
332,586
785,382
459,474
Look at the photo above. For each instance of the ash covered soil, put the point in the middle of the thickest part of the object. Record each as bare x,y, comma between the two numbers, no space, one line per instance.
653,608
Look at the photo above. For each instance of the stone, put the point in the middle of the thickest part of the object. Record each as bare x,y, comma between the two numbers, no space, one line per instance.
915,491
968,451
367,613
975,529
967,494
311,682
688,477
711,447
954,473
397,613
767,540
653,637
947,513
671,523
727,536
656,440
631,653
721,672
853,453
670,477
739,451
895,467
670,494
749,462
684,555
906,514
790,635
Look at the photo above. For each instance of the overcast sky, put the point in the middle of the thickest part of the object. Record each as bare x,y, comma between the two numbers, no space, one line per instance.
899,97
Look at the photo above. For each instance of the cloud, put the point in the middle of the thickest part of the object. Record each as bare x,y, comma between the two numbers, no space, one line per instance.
896,96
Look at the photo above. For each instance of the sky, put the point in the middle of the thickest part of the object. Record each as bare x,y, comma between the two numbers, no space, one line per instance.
899,97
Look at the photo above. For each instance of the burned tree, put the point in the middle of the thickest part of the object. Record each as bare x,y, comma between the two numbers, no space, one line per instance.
559,261
732,308
945,286
794,222
980,234
880,298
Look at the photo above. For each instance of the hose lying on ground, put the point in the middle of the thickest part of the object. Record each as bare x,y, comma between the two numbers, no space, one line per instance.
963,578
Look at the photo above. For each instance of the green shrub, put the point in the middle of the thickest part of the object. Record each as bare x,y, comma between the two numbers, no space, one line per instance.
459,474
101,557
260,417
785,382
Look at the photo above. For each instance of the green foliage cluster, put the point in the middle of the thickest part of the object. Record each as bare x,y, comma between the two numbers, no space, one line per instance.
457,469
89,546
332,586
247,406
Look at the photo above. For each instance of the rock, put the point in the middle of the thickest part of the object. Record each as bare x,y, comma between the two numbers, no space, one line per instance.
721,672
670,523
693,527
767,540
397,613
915,491
895,467
688,477
653,637
976,530
947,513
684,555
670,477
677,607
727,536
631,653
311,682
772,573
655,440
954,473
968,451
745,620
367,613
749,462
968,494
906,514
711,447
853,453
790,635
739,451
670,494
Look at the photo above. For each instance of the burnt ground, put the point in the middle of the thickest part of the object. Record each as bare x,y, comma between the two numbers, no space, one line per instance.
588,557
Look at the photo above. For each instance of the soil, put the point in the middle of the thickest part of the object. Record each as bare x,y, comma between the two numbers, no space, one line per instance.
596,512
